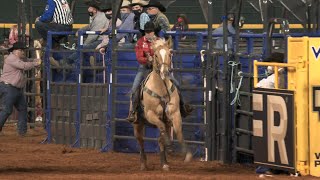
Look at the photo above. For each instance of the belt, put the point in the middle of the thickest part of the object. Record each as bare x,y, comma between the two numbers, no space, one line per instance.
8,84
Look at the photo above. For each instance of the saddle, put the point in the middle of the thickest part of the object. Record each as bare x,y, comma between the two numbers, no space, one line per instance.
140,108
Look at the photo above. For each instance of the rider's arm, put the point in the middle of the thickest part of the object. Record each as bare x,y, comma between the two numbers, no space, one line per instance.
142,59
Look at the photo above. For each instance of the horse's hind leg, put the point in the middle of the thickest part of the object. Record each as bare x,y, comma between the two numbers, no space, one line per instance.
138,132
177,126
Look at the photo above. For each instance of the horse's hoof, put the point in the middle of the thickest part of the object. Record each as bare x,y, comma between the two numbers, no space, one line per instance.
166,167
188,157
143,167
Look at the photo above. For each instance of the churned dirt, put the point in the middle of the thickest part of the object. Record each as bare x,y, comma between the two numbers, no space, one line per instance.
27,158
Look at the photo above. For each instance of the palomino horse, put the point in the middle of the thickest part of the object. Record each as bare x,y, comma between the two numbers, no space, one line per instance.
161,107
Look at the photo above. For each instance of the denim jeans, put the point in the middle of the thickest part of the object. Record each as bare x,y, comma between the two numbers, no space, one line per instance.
74,56
142,73
43,28
12,96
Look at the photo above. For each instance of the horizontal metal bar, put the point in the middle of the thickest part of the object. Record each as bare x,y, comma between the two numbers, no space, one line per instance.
244,131
244,112
33,94
243,93
156,139
121,102
123,50
61,32
248,151
187,70
121,85
183,123
125,68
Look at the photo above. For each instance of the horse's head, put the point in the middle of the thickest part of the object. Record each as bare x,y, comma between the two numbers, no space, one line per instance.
162,58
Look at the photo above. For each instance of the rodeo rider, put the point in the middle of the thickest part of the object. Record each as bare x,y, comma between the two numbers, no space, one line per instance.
144,54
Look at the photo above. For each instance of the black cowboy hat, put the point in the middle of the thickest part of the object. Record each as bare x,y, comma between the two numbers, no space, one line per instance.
276,57
106,7
93,3
157,4
17,45
149,27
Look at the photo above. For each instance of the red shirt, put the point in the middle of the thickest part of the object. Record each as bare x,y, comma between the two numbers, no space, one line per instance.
143,47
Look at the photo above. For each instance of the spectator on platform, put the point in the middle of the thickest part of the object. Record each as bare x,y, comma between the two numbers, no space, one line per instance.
57,17
12,82
126,16
219,31
108,13
99,21
155,11
140,18
182,24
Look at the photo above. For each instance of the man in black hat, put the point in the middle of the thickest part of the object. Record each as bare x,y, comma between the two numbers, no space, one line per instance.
155,11
57,17
12,82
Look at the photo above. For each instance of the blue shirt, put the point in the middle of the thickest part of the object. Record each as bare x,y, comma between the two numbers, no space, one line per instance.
219,40
57,11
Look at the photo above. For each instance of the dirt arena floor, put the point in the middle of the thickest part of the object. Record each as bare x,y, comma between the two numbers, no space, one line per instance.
26,158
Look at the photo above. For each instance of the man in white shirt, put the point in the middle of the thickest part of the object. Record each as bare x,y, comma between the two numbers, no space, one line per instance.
269,81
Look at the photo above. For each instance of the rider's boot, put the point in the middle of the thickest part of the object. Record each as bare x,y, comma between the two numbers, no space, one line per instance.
185,109
132,117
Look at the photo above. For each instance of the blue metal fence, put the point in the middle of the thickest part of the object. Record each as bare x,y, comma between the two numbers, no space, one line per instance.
119,72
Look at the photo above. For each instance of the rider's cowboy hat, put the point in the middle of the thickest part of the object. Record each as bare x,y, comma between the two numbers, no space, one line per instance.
93,3
275,57
157,4
149,27
125,4
17,45
139,2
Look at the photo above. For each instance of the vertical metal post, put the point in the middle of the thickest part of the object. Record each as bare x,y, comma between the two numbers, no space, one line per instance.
115,11
19,19
224,151
24,17
210,103
30,23
48,70
78,70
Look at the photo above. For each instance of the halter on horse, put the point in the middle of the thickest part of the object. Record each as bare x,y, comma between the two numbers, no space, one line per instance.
160,100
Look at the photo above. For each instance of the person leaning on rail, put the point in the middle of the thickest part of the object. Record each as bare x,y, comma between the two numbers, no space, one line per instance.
99,21
12,82
56,17
144,53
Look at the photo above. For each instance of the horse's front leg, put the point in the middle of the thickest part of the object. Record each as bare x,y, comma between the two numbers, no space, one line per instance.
163,140
138,132
177,127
